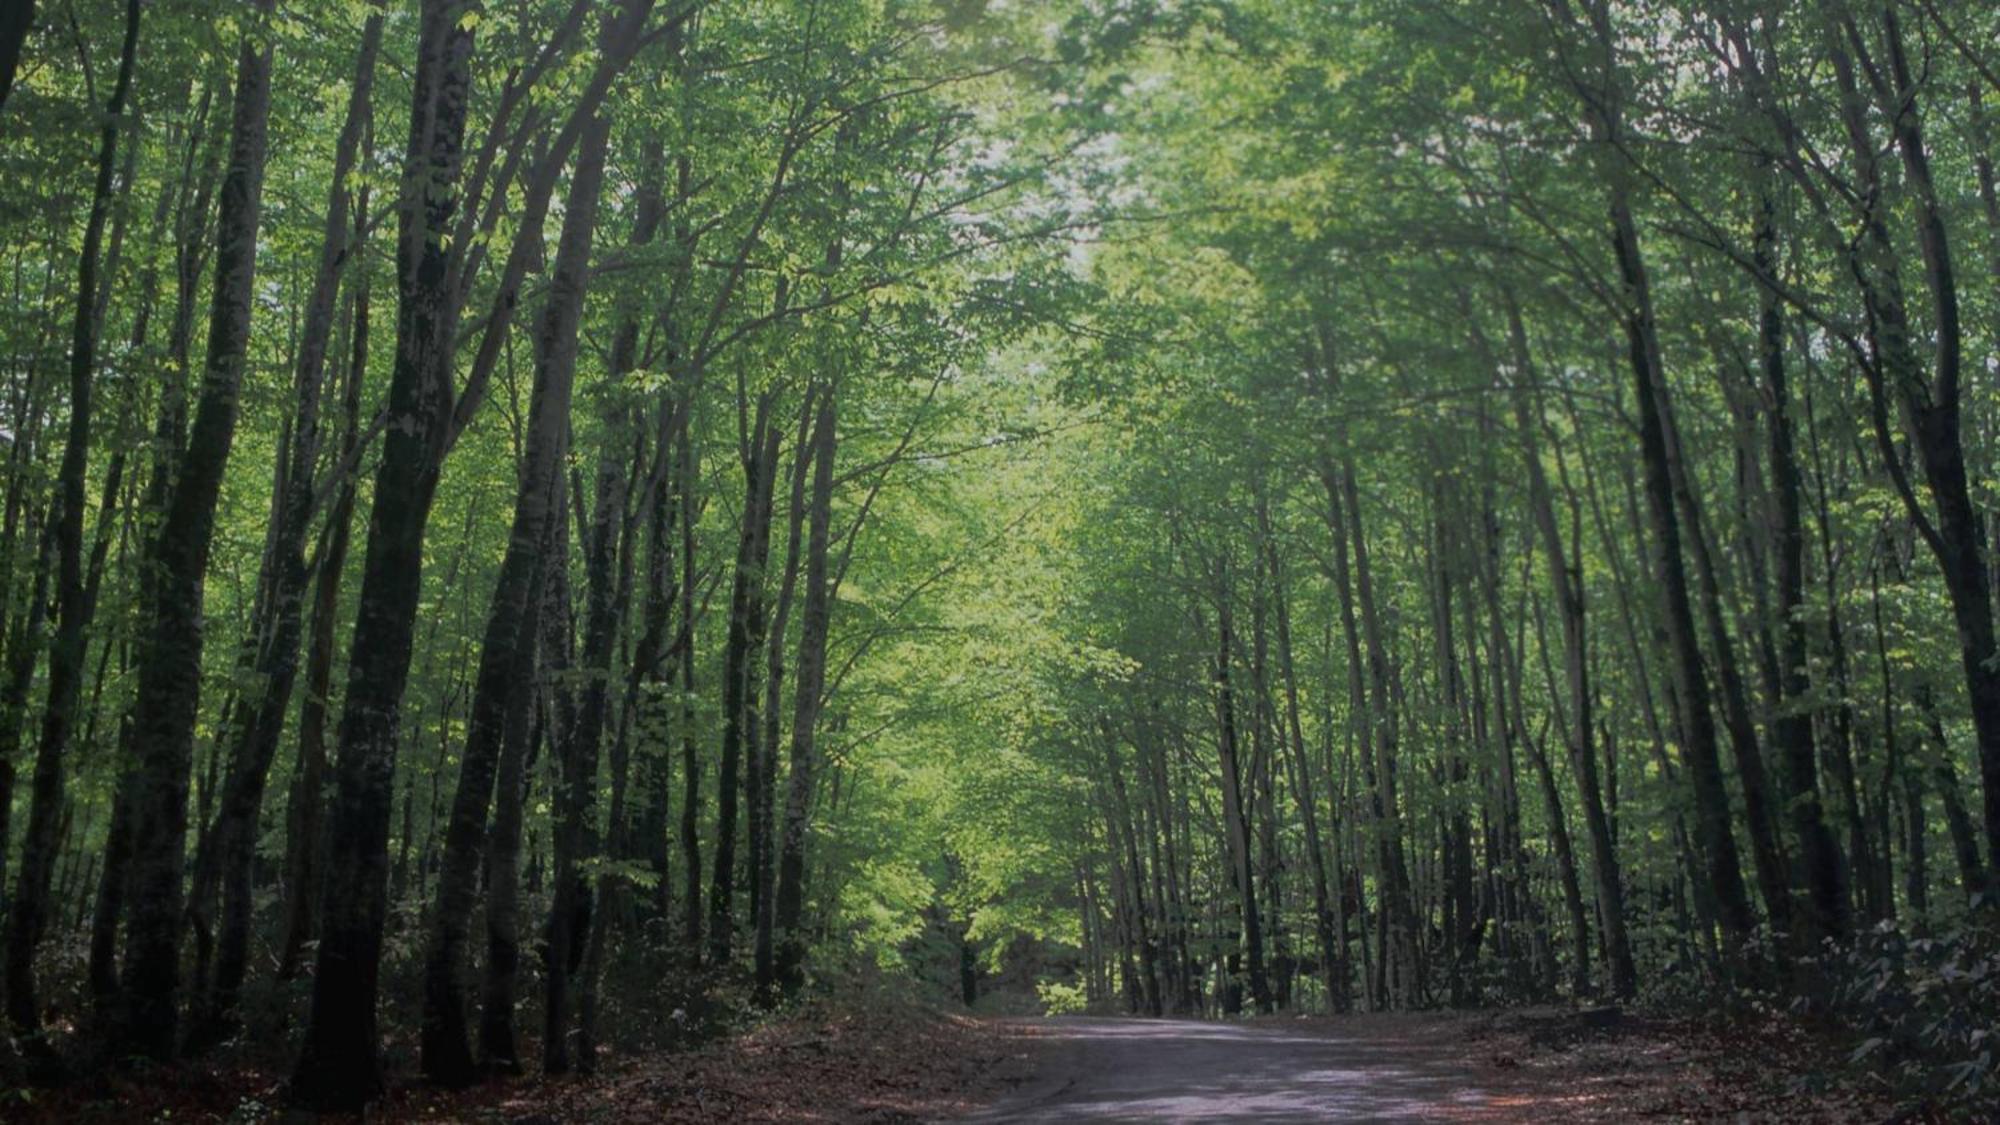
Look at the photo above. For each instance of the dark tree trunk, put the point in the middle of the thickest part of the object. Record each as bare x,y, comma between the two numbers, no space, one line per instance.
200,175
687,480
649,832
15,24
436,265
259,714
1957,819
28,913
1712,815
1398,965
1332,953
1125,837
526,728
1579,920
338,1067
169,690
1733,696
1930,403
653,510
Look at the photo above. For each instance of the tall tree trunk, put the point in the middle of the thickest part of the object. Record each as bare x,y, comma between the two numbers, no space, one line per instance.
1332,954
28,913
1603,108
200,175
1733,696
1398,963
1712,815
169,690
1930,403
654,510
1560,838
686,483
338,1067
525,729
259,717
575,827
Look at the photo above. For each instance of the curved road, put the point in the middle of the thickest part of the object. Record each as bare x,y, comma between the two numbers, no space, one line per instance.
1096,1070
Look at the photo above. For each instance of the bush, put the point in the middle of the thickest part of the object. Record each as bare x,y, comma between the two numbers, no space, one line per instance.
1060,999
1925,1008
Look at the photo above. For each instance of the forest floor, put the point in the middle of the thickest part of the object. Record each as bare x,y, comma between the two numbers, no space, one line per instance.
898,1062
1553,1068
891,1061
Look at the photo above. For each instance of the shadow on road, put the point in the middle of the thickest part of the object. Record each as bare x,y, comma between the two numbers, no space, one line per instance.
1177,1070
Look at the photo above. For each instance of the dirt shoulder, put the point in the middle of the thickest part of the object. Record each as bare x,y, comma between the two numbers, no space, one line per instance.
1555,1067
896,1064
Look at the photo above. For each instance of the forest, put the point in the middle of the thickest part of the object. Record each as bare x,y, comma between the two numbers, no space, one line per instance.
535,533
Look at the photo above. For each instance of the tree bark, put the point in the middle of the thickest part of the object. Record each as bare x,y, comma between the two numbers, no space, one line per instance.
1930,402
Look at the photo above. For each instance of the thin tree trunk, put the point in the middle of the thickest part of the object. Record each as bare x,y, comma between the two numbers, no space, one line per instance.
764,784
1333,956
690,828
1560,838
576,798
304,825
526,728
1826,892
1236,828
739,705
1566,579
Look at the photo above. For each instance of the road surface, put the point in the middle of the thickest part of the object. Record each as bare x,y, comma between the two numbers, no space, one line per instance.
1098,1070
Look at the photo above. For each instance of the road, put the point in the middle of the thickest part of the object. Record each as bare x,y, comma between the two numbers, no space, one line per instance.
1176,1070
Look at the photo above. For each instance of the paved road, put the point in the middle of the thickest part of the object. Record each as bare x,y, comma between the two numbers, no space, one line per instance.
1096,1070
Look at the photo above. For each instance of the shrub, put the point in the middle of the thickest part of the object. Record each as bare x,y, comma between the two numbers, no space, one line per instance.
1925,1010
